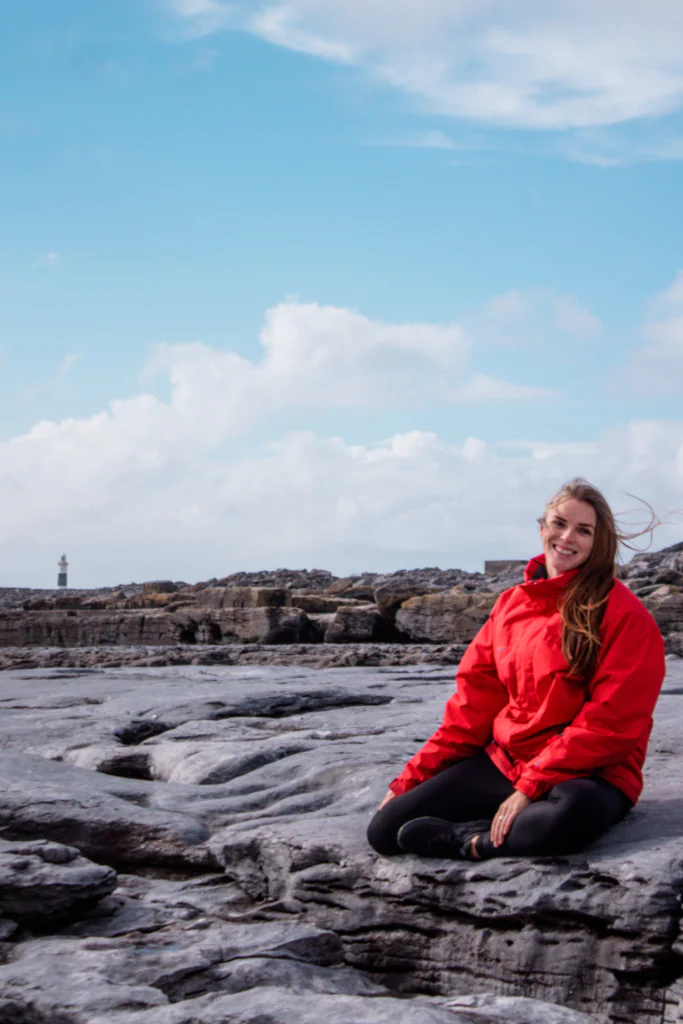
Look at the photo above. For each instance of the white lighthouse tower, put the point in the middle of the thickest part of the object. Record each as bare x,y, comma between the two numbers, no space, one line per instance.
63,566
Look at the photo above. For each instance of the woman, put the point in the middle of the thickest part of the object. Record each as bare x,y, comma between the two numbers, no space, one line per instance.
545,738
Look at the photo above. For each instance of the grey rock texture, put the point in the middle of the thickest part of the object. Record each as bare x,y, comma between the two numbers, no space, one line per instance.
44,882
290,607
360,624
334,655
233,803
444,618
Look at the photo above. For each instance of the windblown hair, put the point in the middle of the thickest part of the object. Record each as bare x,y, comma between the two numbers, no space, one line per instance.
584,603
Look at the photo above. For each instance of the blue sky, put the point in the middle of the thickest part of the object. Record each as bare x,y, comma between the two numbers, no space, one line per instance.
354,284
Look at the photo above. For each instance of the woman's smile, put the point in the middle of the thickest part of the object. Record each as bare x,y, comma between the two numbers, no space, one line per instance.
567,532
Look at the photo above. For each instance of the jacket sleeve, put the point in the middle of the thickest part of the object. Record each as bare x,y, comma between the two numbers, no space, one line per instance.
468,716
616,718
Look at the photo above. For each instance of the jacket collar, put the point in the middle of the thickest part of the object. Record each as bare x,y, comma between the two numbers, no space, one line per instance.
536,573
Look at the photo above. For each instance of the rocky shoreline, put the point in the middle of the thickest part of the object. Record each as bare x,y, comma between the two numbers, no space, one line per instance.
182,822
308,655
186,845
307,617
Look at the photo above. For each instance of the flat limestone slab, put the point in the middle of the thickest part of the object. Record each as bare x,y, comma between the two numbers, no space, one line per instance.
234,800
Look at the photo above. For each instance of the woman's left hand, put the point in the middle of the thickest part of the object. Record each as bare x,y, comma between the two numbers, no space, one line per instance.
505,815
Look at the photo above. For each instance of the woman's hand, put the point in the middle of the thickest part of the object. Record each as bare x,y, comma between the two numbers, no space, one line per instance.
390,796
505,815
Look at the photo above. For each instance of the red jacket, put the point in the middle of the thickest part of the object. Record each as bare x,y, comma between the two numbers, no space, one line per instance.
539,727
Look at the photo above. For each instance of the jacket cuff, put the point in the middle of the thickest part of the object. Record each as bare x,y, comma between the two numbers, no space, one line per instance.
399,785
534,790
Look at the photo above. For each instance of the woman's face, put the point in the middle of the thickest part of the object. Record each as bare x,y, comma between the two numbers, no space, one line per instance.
568,532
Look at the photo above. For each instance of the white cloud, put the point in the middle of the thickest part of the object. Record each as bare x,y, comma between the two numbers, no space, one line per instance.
672,298
274,25
549,450
324,357
430,139
315,357
186,489
575,320
570,64
203,17
657,366
123,481
50,259
525,319
488,389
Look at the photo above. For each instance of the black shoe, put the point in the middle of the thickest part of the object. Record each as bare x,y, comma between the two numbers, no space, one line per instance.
435,837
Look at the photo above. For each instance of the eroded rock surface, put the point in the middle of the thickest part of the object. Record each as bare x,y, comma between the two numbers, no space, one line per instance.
292,608
42,881
233,803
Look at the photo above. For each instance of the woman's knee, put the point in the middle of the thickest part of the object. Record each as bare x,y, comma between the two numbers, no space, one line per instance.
574,814
381,834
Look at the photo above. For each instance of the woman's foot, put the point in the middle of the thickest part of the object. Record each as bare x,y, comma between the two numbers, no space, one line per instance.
435,837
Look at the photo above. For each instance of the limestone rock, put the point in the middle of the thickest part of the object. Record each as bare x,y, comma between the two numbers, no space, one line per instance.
256,897
322,603
86,629
271,607
228,625
444,618
290,579
42,882
98,815
391,595
266,624
673,644
211,973
666,605
350,586
359,624
514,1010
312,654
649,570
244,597
160,587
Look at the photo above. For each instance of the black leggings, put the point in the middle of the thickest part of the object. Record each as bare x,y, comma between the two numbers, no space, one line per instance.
568,817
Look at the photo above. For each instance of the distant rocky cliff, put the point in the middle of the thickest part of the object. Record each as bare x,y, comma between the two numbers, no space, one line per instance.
424,607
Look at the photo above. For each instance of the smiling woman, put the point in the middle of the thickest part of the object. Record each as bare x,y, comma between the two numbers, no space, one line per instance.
546,736
567,532
578,531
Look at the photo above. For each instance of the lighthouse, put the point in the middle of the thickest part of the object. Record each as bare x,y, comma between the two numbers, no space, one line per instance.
63,566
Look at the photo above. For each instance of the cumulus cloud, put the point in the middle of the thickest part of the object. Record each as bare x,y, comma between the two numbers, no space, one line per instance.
315,357
570,64
203,484
656,367
410,499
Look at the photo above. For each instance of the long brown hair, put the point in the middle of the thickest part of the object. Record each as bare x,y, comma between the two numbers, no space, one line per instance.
584,602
